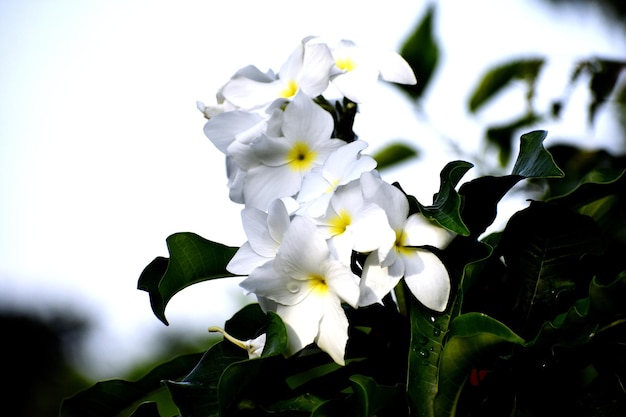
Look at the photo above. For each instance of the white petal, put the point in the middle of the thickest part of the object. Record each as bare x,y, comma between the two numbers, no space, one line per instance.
306,121
394,68
245,260
303,251
278,220
375,281
222,128
270,281
420,231
428,279
318,62
255,225
301,322
265,184
333,330
371,230
342,282
390,198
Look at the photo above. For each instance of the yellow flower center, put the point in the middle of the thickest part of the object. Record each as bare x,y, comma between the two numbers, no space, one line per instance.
339,223
400,244
290,89
300,157
346,64
318,284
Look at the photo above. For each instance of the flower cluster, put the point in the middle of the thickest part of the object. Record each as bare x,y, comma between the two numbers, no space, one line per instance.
324,229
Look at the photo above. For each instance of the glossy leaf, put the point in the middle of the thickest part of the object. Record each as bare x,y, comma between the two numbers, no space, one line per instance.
483,194
393,154
196,394
192,259
593,187
109,398
502,135
472,337
446,206
534,161
497,78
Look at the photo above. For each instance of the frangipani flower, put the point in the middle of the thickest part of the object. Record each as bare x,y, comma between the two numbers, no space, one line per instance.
423,271
351,223
265,232
284,161
358,69
308,286
342,166
307,70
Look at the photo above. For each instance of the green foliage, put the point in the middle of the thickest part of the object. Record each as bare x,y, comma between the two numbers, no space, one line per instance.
192,259
536,319
393,154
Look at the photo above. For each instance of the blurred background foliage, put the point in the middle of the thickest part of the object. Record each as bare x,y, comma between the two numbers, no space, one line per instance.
38,351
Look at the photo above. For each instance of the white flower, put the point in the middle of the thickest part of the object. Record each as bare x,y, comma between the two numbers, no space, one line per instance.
284,161
342,166
265,232
351,223
423,271
358,69
307,69
308,286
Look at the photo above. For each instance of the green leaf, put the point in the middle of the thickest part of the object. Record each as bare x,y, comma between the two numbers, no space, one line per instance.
501,76
543,246
196,394
109,398
593,187
192,259
533,160
446,206
483,194
502,135
370,398
276,342
600,311
393,154
472,338
421,51
147,409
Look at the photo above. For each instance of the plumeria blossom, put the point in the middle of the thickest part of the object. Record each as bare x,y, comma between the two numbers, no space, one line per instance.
307,70
284,161
357,69
308,286
343,165
351,223
424,273
265,233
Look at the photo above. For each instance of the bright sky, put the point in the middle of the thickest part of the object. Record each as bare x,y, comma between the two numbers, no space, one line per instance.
102,154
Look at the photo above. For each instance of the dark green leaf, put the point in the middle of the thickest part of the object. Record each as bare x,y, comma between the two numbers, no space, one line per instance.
543,246
370,398
446,206
276,342
421,51
472,338
393,154
533,160
109,398
196,395
502,135
588,317
192,259
593,187
147,409
499,77
604,76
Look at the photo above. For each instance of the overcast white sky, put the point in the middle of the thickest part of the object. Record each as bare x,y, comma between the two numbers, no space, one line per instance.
102,154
